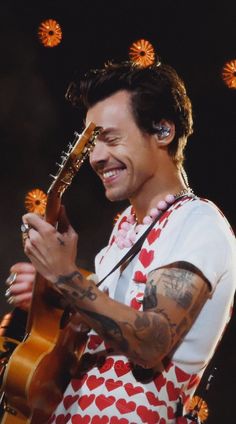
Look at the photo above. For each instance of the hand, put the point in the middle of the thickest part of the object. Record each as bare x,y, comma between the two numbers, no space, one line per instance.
52,253
20,284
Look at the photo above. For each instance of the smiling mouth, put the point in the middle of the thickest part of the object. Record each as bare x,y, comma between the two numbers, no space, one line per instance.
111,174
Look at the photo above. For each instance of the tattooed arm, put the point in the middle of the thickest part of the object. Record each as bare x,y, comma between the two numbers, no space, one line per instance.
174,296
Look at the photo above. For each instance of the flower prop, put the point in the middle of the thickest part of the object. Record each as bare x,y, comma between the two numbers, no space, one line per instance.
35,201
50,33
142,53
229,73
197,407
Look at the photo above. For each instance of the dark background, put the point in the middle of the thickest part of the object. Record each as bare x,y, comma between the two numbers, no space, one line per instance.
36,122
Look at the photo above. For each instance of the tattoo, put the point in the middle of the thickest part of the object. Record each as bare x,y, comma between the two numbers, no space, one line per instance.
64,279
176,284
72,290
152,331
62,243
78,293
160,336
150,296
109,328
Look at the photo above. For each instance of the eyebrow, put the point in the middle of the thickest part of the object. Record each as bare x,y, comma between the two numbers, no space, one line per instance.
107,131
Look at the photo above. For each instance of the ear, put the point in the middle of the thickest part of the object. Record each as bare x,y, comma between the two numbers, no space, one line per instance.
164,132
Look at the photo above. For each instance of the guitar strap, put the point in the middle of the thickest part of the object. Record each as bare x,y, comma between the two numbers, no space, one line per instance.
137,246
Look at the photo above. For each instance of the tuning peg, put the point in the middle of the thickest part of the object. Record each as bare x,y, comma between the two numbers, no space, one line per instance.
65,154
53,176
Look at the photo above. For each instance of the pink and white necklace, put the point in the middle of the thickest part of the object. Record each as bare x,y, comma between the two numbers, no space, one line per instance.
127,234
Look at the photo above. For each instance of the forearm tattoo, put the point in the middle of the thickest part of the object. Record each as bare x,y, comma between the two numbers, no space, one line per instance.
110,329
172,299
72,290
135,338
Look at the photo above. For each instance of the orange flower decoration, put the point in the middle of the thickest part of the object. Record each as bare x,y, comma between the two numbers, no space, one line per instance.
229,74
198,406
50,33
142,53
35,201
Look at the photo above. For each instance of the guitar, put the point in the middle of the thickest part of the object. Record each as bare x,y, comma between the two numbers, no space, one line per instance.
40,367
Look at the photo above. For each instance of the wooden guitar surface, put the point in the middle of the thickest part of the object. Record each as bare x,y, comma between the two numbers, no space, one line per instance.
41,366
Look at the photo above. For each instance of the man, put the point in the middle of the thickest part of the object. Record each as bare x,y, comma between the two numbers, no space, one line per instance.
156,320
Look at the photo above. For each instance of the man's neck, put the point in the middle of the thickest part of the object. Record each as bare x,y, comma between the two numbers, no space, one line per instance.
154,190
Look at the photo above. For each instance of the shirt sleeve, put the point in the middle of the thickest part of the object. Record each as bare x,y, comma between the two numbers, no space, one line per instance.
201,237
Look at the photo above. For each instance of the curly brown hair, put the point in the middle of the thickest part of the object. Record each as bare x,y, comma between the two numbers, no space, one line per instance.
157,92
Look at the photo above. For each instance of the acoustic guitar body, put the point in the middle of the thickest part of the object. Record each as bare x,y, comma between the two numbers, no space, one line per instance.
41,367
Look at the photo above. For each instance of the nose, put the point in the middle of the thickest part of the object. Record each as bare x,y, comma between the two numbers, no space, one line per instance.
99,155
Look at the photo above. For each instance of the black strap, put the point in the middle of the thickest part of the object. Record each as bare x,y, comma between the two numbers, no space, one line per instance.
137,246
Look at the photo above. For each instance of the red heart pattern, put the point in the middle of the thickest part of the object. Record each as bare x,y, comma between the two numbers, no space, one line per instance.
104,402
86,401
159,382
139,277
125,407
146,257
78,383
153,235
173,392
69,400
78,419
62,419
135,304
94,341
93,382
170,413
132,390
181,375
147,415
113,384
107,365
153,400
100,420
121,367
116,420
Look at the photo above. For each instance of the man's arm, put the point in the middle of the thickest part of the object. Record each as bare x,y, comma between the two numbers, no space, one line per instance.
173,297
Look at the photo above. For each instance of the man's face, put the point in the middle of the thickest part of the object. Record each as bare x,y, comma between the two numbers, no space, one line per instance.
124,157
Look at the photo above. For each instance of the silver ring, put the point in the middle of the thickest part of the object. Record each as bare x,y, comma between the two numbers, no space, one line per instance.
25,228
11,279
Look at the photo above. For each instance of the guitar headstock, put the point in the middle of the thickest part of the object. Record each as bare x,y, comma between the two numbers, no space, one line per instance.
72,160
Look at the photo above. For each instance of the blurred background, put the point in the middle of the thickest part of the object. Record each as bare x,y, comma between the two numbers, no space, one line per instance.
37,122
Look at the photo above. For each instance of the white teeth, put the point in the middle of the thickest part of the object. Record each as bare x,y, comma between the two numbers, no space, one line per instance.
112,173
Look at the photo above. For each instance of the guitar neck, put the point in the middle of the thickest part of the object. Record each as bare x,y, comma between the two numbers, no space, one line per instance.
41,311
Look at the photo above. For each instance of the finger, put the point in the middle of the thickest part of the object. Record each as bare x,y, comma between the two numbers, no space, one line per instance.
22,267
22,287
33,253
22,300
37,222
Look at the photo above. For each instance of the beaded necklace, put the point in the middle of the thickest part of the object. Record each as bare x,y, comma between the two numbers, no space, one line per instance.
127,234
